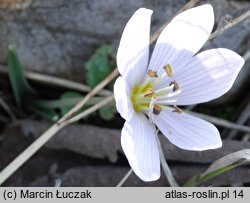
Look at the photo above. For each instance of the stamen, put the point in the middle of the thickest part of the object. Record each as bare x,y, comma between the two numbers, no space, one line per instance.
170,94
151,109
177,109
157,109
167,101
176,86
152,74
169,70
148,92
162,90
149,99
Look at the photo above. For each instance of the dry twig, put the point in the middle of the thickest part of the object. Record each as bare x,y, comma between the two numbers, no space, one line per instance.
56,81
230,24
221,122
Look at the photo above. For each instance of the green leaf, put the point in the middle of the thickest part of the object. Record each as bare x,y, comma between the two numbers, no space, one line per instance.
20,86
107,112
100,65
66,96
25,96
220,166
47,108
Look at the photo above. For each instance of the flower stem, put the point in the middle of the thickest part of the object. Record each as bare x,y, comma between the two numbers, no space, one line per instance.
167,171
123,180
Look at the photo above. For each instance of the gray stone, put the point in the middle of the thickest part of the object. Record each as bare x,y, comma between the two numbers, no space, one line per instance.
96,142
64,158
106,176
56,37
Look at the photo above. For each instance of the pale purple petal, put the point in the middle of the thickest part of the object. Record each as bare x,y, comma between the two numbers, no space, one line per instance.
140,147
188,132
132,54
122,98
182,38
209,75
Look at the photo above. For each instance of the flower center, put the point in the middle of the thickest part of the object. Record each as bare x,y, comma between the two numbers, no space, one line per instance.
147,98
141,96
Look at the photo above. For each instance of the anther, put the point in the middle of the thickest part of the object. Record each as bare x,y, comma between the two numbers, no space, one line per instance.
157,109
148,92
169,70
176,86
152,74
177,109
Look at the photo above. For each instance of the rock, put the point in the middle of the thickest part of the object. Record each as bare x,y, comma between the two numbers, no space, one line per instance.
101,176
107,176
56,37
233,38
101,143
76,156
86,140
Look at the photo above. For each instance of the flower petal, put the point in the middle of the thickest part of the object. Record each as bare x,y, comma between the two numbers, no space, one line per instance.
209,75
188,132
140,147
182,38
122,98
132,54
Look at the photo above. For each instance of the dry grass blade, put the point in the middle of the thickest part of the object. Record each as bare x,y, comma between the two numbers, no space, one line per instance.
36,145
188,5
243,117
220,166
123,180
238,158
90,110
166,169
221,122
78,106
56,81
229,25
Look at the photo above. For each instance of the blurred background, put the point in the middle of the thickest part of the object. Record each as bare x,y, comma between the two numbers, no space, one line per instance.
76,41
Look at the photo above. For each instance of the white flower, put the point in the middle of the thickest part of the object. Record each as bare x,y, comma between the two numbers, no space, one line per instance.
147,94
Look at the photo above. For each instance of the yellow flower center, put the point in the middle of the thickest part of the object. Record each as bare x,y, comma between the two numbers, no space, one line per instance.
144,97
141,96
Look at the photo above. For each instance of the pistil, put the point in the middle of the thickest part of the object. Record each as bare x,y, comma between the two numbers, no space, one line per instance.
145,98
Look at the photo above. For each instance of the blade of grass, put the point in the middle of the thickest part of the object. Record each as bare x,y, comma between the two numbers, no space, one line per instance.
221,166
19,84
220,122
